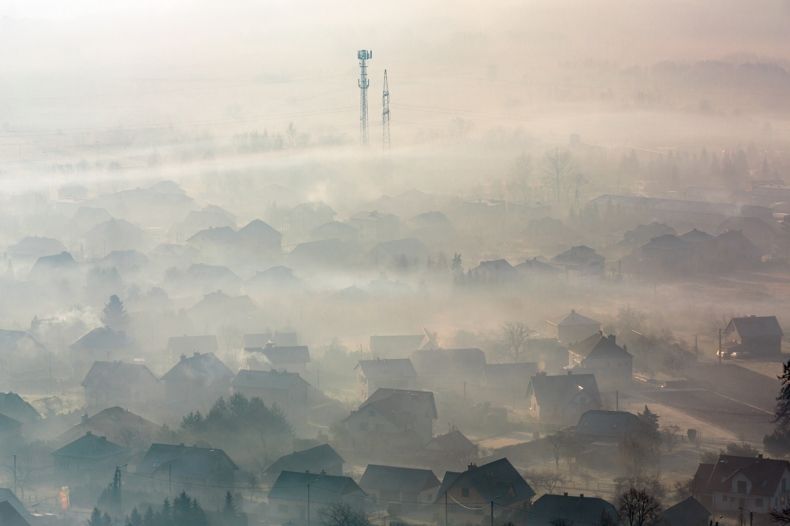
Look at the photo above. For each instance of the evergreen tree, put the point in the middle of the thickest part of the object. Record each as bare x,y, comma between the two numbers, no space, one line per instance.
114,315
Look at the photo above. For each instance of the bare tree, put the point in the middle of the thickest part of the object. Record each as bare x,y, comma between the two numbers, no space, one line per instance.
781,516
343,515
545,480
559,165
515,335
637,507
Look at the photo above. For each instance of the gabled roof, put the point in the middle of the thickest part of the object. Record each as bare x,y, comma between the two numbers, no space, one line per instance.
688,512
101,339
560,390
755,326
312,460
206,368
268,380
451,442
585,346
574,319
324,489
388,367
402,404
598,424
8,424
607,348
394,478
9,516
287,354
571,509
190,461
13,405
90,447
764,474
8,496
696,236
107,374
498,481
116,423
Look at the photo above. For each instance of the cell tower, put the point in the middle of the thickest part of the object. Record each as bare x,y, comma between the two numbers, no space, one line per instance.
363,55
385,112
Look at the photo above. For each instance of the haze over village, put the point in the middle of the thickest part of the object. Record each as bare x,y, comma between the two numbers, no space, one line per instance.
309,263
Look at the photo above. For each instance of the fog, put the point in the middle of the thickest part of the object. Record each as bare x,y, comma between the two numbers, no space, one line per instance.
556,296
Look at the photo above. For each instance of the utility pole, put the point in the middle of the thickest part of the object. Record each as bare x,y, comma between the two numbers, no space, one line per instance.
363,55
445,508
15,479
492,513
385,113
617,400
308,504
170,480
719,353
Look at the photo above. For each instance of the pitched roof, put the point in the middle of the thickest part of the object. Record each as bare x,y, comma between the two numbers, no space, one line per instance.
607,348
8,496
599,424
574,319
401,404
585,346
283,354
268,380
203,367
324,489
394,478
9,516
399,367
454,441
688,512
498,481
573,509
106,374
447,360
765,474
101,339
90,447
312,460
13,405
559,390
8,424
192,461
755,326
116,423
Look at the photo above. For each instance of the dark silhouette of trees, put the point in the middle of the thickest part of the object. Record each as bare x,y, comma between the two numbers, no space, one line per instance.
637,507
515,335
778,442
343,515
114,314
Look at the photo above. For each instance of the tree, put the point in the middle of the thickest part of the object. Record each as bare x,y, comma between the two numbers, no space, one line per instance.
741,450
649,421
96,518
637,507
559,165
114,315
343,515
515,335
545,480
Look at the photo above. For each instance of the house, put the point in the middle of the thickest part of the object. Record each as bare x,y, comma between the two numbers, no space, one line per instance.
131,385
598,425
549,510
580,259
12,510
394,373
318,459
394,419
90,457
14,406
494,272
450,369
753,484
452,450
562,399
291,358
757,336
688,512
288,391
611,364
575,327
295,497
101,343
399,485
468,495
117,425
200,466
186,345
505,382
579,350
196,382
396,345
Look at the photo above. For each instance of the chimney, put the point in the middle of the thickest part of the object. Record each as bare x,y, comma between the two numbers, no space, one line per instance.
581,495
471,466
565,494
760,455
84,418
612,338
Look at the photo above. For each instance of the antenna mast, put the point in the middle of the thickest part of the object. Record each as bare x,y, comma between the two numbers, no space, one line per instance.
363,55
385,112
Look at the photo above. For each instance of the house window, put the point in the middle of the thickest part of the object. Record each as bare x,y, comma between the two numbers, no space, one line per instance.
741,486
758,503
464,492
